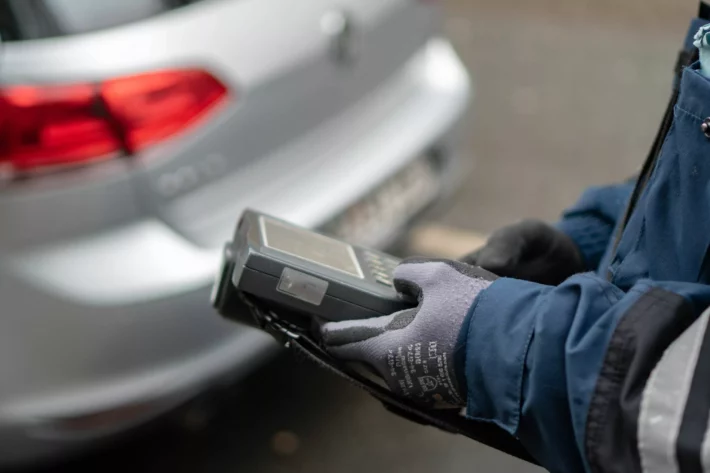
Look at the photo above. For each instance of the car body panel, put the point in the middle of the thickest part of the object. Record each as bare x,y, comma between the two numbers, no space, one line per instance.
282,78
105,271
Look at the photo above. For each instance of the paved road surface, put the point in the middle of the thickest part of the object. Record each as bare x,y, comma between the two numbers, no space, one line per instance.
569,93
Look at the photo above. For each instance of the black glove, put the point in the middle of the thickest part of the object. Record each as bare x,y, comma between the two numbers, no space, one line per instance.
531,250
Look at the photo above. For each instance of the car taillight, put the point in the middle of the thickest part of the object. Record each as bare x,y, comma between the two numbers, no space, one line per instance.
49,126
56,126
152,107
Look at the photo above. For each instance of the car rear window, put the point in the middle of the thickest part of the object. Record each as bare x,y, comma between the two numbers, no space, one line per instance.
37,19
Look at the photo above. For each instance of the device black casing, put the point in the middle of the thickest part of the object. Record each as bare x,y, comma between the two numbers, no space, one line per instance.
256,269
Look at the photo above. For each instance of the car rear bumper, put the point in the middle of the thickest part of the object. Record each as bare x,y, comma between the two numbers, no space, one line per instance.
106,332
63,418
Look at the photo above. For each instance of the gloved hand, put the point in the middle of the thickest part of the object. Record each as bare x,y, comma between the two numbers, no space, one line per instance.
531,250
419,352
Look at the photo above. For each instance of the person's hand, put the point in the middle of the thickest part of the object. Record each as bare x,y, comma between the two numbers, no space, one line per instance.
531,250
419,352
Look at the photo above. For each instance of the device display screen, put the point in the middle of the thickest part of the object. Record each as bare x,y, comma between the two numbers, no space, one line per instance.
310,246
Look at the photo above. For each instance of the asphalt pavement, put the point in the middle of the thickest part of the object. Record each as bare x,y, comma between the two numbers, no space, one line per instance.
568,94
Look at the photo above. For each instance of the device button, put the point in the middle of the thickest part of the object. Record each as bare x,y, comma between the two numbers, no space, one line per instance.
375,261
384,280
376,265
381,273
372,254
375,258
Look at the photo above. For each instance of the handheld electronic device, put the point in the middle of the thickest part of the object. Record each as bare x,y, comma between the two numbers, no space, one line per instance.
283,278
305,272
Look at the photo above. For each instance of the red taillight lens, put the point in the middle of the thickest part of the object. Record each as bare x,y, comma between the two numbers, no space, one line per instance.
155,106
50,126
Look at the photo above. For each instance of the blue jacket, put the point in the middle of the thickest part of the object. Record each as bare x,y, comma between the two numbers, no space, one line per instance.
567,369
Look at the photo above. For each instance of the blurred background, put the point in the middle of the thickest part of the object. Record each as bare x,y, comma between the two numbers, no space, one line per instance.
565,94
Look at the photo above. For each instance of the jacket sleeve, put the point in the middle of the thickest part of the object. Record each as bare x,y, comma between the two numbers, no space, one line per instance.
592,220
561,368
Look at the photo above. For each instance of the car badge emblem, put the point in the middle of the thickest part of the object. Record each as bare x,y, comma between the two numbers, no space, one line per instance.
338,26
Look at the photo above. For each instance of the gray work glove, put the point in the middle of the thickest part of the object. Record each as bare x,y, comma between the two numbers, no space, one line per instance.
418,352
531,250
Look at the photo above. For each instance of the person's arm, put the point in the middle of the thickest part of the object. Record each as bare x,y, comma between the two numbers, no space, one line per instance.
564,368
592,220
536,251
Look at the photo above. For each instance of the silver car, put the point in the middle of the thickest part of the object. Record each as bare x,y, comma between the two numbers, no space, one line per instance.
132,135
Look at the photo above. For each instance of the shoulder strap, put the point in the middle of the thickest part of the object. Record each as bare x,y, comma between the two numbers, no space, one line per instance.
704,11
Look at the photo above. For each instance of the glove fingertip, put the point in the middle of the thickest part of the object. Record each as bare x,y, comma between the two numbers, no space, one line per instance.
419,260
407,269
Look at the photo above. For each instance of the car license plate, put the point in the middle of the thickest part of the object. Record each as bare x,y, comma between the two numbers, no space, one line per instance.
377,218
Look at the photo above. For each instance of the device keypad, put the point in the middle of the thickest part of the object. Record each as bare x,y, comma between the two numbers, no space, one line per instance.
381,267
